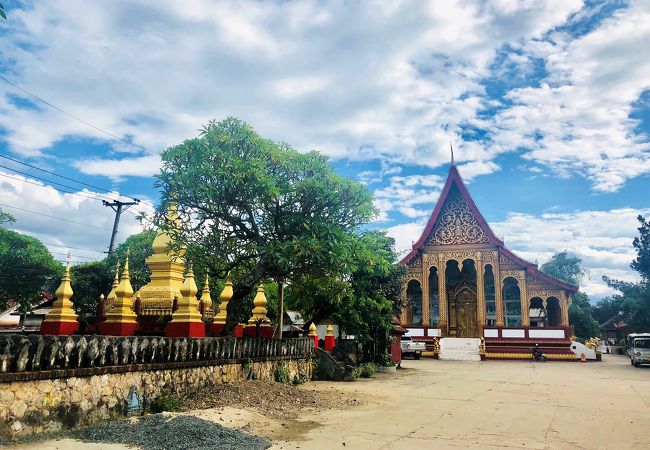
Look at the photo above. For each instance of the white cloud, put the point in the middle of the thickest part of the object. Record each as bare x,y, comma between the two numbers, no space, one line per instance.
602,239
577,120
403,193
397,88
62,235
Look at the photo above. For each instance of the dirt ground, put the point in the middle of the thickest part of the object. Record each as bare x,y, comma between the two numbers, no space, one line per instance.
443,404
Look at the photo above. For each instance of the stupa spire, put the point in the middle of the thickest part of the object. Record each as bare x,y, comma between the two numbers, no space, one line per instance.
62,319
120,319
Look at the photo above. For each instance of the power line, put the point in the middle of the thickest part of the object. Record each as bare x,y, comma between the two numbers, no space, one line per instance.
55,174
71,255
66,178
54,217
74,117
63,191
74,248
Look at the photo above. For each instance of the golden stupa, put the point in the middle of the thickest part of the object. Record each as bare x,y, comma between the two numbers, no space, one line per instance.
167,270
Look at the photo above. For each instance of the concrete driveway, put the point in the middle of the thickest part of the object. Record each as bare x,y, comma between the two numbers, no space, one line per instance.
492,404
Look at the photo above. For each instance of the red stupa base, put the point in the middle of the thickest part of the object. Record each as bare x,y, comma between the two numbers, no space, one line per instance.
239,330
117,329
216,329
59,328
315,338
263,331
330,342
185,329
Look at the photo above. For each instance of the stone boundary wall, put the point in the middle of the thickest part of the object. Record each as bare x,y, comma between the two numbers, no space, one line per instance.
86,379
27,357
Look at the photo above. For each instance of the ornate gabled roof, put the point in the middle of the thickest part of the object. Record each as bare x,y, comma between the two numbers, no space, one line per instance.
457,220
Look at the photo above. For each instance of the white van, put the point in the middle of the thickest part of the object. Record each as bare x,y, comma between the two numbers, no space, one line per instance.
638,348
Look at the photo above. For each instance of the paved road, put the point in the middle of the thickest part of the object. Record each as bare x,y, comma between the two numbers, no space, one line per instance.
492,404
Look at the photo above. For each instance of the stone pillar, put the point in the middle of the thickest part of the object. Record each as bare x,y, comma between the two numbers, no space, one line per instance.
425,294
442,294
498,292
564,308
523,292
480,295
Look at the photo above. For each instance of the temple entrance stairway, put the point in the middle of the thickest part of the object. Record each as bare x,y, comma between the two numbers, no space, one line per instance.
460,349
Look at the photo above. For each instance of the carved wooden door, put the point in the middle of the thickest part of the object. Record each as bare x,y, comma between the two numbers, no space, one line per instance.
466,323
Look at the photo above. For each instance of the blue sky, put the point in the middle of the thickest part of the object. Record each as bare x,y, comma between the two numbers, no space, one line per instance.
547,105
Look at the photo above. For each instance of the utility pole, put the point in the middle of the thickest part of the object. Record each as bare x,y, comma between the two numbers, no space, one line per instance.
119,207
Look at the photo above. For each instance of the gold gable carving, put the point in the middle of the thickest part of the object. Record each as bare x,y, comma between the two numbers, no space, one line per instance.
457,224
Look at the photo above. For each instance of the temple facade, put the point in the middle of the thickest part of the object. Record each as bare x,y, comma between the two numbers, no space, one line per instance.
463,282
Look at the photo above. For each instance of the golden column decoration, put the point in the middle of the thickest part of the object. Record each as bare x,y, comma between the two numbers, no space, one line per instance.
220,318
259,325
523,297
480,295
564,309
425,295
498,291
186,320
61,320
206,300
120,319
442,294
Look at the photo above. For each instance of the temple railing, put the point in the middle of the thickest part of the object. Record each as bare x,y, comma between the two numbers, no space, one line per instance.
38,357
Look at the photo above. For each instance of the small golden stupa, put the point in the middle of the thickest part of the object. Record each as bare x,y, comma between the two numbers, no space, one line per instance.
62,319
157,296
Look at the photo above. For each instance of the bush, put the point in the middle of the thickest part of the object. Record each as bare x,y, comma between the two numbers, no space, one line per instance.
282,373
384,360
166,401
366,370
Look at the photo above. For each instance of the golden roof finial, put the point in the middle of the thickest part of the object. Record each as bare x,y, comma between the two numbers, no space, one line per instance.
124,289
189,288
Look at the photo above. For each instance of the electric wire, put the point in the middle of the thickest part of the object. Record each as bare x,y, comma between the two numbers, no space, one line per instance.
58,218
73,116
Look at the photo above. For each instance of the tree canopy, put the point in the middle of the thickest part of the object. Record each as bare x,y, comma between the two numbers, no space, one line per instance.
566,267
27,269
259,208
633,299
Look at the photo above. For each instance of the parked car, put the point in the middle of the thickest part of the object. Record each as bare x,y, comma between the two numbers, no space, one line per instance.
638,348
412,348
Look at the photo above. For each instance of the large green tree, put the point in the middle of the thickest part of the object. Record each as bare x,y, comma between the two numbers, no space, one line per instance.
27,269
5,217
633,299
258,208
568,268
362,299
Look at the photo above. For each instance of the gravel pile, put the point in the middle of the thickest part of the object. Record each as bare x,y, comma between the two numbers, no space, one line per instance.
161,432
276,400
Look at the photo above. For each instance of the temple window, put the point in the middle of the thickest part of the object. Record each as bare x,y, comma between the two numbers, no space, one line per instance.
554,312
414,299
512,302
490,297
434,305
536,312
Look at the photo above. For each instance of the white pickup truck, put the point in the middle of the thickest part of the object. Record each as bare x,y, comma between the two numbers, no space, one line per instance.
411,347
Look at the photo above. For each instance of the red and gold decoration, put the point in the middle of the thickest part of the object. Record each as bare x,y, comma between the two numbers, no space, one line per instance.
186,320
313,334
330,340
259,325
